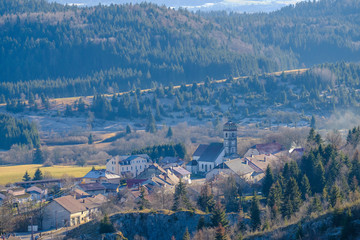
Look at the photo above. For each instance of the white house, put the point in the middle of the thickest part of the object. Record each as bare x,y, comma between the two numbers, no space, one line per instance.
128,166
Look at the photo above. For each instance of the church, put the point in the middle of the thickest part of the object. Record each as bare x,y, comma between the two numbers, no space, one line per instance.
208,156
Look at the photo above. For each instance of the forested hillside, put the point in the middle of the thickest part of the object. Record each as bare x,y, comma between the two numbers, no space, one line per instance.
68,51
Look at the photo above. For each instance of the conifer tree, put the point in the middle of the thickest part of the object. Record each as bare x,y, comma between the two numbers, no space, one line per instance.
201,223
90,139
206,200
334,195
274,199
255,213
219,216
305,187
313,122
186,235
106,226
169,133
38,175
128,129
26,177
220,233
180,198
143,203
151,125
232,194
268,181
292,198
38,156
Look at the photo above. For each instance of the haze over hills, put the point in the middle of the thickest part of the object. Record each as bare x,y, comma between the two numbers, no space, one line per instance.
202,5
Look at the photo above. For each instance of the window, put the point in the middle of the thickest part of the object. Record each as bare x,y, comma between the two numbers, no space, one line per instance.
226,135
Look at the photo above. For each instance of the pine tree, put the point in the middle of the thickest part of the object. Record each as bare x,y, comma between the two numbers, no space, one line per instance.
292,198
128,129
38,175
305,187
268,181
106,226
255,213
220,233
219,216
186,235
335,196
26,177
201,223
169,133
151,125
143,203
232,194
206,200
90,139
180,198
313,122
274,199
38,156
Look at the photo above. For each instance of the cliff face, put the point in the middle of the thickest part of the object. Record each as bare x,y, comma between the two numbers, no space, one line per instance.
157,226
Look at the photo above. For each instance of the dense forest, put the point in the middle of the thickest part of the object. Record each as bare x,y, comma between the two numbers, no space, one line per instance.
17,131
68,51
284,99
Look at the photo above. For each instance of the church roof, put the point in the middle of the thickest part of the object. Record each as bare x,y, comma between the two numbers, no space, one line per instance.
201,148
230,126
211,153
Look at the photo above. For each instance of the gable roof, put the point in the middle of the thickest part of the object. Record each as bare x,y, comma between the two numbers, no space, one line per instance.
101,173
239,167
70,204
267,148
181,171
211,153
201,148
91,187
192,163
260,162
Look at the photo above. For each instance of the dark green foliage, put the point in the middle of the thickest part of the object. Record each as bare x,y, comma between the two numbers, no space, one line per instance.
151,125
169,133
334,196
218,216
143,202
232,194
128,129
353,137
274,199
268,181
17,131
90,139
181,200
291,198
106,226
305,187
186,235
313,122
206,200
26,177
37,175
255,213
167,150
38,157
201,223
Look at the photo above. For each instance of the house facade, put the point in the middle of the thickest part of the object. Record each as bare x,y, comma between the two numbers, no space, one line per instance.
128,166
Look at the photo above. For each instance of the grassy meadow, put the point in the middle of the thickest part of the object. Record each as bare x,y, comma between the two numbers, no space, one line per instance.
11,174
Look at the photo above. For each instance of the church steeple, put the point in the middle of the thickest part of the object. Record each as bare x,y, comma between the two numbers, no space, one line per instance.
230,138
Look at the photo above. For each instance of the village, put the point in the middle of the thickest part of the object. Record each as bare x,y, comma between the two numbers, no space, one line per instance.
71,202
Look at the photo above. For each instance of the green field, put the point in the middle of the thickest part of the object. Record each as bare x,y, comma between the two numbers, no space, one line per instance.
10,174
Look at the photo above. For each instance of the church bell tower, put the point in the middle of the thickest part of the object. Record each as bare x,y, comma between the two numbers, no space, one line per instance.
230,138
